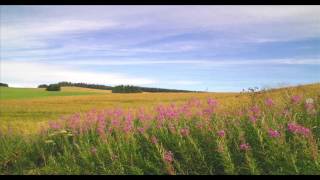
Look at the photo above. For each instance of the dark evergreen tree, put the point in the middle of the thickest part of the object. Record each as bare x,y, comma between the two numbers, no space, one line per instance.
42,86
85,85
53,87
126,89
4,85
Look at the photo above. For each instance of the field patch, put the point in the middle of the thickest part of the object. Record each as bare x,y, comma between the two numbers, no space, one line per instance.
28,93
271,132
27,115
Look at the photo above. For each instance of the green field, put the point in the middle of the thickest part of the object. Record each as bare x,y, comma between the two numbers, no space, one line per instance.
31,112
23,110
28,93
98,132
87,131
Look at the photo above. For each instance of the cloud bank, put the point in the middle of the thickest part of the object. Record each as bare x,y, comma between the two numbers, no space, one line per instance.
150,45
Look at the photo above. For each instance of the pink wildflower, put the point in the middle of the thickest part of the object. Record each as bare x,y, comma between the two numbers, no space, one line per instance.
128,123
185,131
91,117
298,129
309,106
199,125
221,133
129,117
292,127
255,110
168,157
254,113
154,140
143,116
240,113
194,102
127,128
296,99
74,122
117,112
305,131
269,102
115,122
54,125
101,116
208,112
212,102
141,130
101,128
160,113
185,110
244,146
253,118
274,133
110,129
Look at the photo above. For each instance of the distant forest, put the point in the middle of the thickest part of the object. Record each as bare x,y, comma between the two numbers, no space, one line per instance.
137,89
4,85
117,89
85,85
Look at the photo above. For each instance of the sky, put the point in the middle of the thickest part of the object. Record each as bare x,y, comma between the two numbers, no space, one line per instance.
213,48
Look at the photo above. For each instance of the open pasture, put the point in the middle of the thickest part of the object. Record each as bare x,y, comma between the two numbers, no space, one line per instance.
271,132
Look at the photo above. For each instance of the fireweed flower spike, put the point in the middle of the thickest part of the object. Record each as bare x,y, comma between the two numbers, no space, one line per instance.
54,125
296,99
168,157
154,140
309,106
185,131
221,133
269,102
212,102
254,113
141,130
244,146
298,129
274,133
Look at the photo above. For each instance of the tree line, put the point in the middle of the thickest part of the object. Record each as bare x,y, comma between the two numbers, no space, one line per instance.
4,85
137,89
85,85
115,89
126,89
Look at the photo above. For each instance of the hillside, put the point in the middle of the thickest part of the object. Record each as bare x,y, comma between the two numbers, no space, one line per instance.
30,108
270,132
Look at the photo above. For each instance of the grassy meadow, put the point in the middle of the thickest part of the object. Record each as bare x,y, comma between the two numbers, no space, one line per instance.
85,131
21,108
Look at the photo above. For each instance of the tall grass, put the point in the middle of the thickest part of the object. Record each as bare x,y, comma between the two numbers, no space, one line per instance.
264,136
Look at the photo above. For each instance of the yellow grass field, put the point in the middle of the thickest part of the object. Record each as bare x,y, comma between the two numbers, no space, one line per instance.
28,115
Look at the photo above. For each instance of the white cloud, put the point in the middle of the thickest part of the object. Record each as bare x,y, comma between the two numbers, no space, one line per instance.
210,62
51,28
131,62
33,74
41,26
260,22
36,34
52,33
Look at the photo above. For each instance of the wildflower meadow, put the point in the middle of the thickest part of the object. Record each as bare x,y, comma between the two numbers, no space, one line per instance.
266,135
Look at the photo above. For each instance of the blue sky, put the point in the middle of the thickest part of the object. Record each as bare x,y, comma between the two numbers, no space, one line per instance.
219,48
